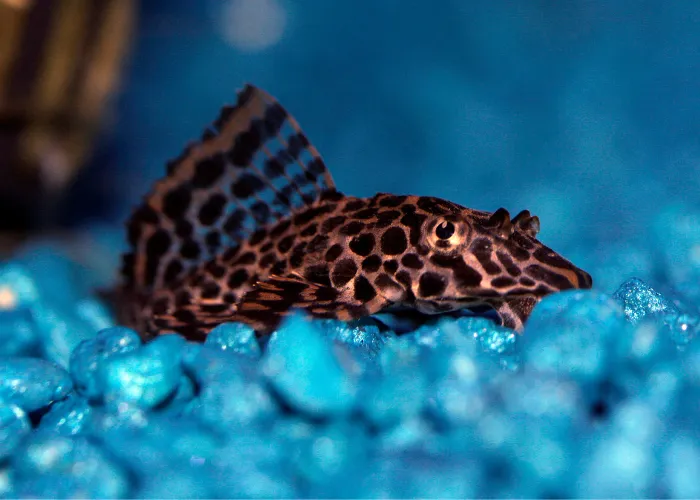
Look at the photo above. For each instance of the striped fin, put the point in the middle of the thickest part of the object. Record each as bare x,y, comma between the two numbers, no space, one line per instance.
253,166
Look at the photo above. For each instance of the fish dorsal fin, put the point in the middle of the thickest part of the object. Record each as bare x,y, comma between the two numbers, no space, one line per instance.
253,166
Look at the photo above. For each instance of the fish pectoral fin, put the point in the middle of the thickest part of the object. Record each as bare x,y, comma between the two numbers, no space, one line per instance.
193,321
271,300
515,311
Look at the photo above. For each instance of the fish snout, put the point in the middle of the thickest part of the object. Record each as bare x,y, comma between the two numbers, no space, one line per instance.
584,279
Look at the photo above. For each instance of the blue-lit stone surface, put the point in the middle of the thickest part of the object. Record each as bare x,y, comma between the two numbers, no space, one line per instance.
88,358
18,333
639,300
14,427
61,467
68,416
572,333
144,377
235,337
31,383
598,397
300,365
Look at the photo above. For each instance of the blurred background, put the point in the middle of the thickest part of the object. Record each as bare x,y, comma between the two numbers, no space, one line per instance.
584,112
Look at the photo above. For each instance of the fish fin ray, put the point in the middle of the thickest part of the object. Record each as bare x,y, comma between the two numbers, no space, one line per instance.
252,167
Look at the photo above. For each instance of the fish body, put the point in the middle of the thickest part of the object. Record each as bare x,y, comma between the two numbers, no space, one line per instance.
248,226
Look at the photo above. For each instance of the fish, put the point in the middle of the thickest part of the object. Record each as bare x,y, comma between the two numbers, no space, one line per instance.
248,225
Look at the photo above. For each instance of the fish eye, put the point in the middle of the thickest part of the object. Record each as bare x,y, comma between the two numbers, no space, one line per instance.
444,230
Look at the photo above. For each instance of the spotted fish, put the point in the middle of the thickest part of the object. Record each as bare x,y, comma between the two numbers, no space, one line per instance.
247,226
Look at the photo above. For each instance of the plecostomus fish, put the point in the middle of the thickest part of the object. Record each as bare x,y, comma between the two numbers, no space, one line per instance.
247,226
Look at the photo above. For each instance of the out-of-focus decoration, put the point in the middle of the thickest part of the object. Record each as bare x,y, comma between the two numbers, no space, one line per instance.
252,25
60,60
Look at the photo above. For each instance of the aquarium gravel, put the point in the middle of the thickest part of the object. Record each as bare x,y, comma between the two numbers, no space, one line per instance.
598,398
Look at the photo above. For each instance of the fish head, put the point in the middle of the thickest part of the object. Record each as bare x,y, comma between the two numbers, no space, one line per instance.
455,257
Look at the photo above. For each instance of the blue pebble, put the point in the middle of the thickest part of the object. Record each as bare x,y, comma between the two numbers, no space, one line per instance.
14,427
356,362
61,331
54,466
236,337
414,433
457,340
498,340
231,389
572,333
364,334
32,384
421,475
290,430
542,458
554,399
144,377
68,417
405,350
689,361
300,365
682,327
248,480
234,402
18,288
397,394
681,463
94,313
662,388
18,333
623,461
495,340
332,459
252,465
458,395
89,356
47,284
184,394
643,347
207,364
639,300
103,421
176,482
160,441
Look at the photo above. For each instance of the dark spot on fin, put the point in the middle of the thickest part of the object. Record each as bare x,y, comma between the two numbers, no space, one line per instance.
252,167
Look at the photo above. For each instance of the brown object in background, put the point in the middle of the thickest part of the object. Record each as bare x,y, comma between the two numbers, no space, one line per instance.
59,62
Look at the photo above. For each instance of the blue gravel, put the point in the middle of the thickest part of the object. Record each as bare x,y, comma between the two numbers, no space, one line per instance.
32,383
598,398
